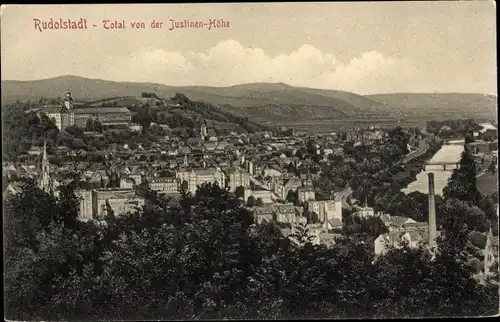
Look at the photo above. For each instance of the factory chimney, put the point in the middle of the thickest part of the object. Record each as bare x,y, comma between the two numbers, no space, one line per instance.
432,212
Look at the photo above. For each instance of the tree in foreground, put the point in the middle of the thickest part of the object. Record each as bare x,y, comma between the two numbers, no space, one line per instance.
462,183
204,258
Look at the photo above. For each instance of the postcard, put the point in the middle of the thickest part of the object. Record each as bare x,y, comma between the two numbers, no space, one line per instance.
250,160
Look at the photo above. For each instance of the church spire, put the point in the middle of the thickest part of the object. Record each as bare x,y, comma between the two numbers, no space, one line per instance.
308,181
45,176
44,159
203,130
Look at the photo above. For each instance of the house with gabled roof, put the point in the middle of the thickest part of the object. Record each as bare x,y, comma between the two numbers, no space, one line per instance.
282,213
398,223
292,183
13,188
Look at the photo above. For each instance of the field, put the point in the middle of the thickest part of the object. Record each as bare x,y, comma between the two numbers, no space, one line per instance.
324,126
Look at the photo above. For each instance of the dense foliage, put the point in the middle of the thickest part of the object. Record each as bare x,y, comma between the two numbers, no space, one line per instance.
462,183
453,128
22,128
203,257
376,174
211,112
364,161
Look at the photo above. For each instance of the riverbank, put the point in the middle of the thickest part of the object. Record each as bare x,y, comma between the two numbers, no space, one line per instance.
446,153
409,172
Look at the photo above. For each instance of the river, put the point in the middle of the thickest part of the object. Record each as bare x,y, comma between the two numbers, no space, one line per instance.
447,153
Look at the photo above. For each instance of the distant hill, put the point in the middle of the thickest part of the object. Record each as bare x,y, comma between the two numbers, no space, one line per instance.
454,105
270,102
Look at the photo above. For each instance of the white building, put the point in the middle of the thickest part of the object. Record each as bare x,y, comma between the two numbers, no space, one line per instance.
306,194
164,184
265,195
196,177
238,178
96,204
326,209
287,213
395,239
365,212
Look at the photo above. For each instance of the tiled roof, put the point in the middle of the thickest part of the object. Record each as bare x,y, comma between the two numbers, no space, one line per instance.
115,193
286,209
210,146
163,180
204,172
17,186
263,210
221,146
398,221
53,108
329,236
335,222
129,180
391,238
100,110
417,235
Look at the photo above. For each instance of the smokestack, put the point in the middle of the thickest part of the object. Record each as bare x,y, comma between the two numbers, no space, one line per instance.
432,212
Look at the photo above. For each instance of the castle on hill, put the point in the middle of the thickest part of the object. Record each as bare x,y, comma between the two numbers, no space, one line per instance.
67,115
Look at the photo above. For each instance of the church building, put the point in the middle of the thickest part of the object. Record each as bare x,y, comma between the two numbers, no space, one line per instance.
45,182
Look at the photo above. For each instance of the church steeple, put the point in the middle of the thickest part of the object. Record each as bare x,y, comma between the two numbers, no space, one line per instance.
203,131
44,158
45,176
308,181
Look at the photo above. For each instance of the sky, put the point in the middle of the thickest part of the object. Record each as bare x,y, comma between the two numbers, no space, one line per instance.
364,48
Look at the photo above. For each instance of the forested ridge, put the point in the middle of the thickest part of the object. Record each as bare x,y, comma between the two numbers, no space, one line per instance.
25,128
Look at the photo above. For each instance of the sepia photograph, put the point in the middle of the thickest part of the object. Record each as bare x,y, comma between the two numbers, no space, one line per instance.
249,161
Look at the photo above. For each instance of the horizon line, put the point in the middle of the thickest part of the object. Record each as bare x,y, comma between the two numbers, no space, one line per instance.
241,84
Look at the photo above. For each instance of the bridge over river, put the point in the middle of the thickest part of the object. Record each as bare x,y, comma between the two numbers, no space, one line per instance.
442,165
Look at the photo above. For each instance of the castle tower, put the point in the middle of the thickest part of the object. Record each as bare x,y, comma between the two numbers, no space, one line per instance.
185,164
432,212
68,101
44,183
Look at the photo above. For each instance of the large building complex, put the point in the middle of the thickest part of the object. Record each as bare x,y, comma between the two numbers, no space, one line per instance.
196,177
66,115
98,203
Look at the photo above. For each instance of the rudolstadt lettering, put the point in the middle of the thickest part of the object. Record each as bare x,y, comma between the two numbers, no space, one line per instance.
59,24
